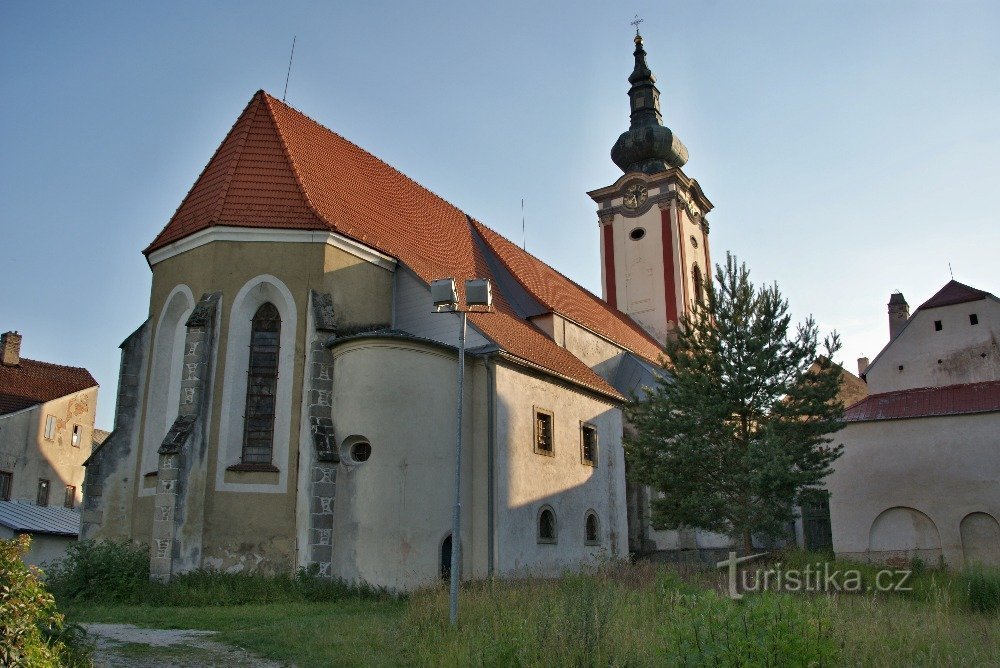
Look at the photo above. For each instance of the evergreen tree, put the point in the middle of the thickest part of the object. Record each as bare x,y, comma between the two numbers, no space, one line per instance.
737,432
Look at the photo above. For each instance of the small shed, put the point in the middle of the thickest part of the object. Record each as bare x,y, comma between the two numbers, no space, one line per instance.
51,528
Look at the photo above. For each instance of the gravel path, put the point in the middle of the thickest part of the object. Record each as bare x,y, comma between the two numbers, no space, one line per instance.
120,645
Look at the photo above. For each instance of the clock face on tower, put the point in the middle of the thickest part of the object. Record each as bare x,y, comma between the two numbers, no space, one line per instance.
635,196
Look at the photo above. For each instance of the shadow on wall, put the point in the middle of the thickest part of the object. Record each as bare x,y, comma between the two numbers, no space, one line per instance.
559,513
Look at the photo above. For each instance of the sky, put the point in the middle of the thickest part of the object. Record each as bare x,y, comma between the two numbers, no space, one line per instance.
851,149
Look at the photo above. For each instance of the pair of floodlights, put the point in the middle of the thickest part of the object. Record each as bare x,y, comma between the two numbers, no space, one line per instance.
444,293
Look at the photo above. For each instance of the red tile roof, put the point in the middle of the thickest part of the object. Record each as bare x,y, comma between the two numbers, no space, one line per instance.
927,402
955,293
32,382
278,168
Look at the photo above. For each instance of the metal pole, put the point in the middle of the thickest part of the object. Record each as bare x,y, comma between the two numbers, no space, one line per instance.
456,527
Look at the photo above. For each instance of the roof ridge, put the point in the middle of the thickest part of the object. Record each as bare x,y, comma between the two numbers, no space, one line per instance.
201,174
268,99
312,120
235,162
620,315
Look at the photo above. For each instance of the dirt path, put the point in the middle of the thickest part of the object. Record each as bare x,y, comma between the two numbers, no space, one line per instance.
127,645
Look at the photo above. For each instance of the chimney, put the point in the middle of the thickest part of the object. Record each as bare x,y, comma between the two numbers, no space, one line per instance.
862,365
10,348
899,312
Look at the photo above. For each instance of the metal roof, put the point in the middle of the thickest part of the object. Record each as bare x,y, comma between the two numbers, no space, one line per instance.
29,518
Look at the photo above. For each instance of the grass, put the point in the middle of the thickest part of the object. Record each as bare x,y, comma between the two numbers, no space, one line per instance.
641,614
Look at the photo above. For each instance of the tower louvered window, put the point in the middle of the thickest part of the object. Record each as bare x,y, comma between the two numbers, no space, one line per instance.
262,380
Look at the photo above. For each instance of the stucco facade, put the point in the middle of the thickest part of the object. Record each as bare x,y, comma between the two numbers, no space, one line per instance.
920,472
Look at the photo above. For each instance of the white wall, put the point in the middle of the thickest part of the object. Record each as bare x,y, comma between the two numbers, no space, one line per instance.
967,353
526,480
942,467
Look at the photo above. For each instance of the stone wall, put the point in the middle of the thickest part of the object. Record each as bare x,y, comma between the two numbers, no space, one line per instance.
109,483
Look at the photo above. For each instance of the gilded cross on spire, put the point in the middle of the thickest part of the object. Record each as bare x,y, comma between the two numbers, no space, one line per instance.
636,23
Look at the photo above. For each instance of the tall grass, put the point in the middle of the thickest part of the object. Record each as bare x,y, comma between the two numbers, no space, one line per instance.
117,572
631,616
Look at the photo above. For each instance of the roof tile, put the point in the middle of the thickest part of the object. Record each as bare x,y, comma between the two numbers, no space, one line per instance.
278,168
927,402
32,382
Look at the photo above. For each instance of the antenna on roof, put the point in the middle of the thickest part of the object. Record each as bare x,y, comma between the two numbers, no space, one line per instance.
951,272
289,73
524,241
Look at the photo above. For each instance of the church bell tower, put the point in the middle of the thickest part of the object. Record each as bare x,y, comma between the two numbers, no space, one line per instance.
654,234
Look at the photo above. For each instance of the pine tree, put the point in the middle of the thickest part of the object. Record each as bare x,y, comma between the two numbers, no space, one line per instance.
737,432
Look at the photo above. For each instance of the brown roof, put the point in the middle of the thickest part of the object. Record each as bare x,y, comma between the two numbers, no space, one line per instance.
955,293
32,382
278,168
927,402
100,436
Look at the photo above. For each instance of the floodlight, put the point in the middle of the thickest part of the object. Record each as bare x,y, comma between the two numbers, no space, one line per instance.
444,293
478,292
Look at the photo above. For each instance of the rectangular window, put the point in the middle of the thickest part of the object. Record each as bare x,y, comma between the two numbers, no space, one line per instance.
938,326
973,319
588,444
6,482
77,435
43,492
70,500
543,432
50,427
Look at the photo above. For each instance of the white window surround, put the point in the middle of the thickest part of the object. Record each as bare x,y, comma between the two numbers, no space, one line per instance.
249,234
163,397
256,291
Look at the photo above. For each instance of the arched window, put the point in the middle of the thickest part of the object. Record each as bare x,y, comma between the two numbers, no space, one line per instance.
699,284
445,570
546,526
592,529
262,380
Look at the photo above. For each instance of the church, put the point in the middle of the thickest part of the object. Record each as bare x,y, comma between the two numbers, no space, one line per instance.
290,400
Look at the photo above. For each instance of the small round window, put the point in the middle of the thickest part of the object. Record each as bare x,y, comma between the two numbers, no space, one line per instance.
694,242
637,233
361,451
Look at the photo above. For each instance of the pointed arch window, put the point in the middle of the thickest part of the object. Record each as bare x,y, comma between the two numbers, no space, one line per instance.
262,381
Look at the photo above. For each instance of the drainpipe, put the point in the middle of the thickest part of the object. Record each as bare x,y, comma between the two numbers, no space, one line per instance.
490,463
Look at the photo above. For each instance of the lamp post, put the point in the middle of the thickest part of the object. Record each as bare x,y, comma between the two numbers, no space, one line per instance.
478,293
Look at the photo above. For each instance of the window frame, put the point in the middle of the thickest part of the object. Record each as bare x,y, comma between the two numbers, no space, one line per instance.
69,501
76,437
584,427
46,484
5,490
535,413
973,319
587,540
257,354
545,540
50,428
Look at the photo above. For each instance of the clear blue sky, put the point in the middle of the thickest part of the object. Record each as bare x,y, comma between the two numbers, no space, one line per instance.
850,149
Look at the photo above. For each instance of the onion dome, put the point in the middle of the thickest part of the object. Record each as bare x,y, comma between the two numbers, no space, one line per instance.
647,146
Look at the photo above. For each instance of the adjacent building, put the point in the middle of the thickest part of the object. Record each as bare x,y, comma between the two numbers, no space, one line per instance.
46,433
920,473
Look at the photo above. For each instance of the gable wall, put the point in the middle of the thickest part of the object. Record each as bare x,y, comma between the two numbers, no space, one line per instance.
959,345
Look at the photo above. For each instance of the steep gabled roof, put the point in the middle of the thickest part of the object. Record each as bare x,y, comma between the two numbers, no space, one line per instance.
32,382
955,293
927,402
278,168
